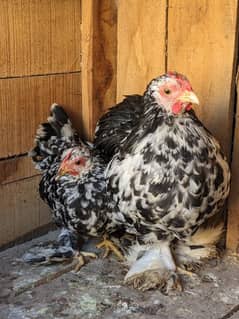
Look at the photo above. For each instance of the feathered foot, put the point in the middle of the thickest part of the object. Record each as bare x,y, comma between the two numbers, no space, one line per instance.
155,269
198,249
110,246
166,282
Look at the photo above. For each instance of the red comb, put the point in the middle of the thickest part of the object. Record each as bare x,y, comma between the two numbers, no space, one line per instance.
67,156
181,79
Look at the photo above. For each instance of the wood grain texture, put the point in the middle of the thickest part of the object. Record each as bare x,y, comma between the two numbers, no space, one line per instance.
39,37
15,169
141,44
104,57
233,204
99,48
201,42
21,209
87,32
25,102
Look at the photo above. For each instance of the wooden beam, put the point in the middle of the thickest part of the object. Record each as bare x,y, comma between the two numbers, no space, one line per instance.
99,44
105,57
233,205
87,19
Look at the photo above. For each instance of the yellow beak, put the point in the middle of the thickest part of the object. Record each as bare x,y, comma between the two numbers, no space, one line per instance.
60,173
189,97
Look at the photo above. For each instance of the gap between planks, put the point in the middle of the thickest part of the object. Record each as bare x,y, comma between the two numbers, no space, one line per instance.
37,75
13,157
20,179
166,36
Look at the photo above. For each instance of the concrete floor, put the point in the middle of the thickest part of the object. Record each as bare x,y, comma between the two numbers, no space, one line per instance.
97,291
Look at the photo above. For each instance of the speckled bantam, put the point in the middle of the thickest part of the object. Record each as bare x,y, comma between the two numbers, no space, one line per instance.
73,185
168,176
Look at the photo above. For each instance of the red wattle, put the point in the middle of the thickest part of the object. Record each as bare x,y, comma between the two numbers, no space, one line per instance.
177,107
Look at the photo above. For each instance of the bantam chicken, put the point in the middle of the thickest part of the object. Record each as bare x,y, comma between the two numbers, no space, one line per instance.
168,176
73,185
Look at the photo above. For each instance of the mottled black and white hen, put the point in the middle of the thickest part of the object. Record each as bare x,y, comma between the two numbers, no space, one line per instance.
168,176
73,184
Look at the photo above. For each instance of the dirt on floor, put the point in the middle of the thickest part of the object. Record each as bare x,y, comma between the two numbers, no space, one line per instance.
97,290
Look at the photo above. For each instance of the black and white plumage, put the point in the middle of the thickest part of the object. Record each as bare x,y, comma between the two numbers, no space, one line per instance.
73,182
116,124
167,178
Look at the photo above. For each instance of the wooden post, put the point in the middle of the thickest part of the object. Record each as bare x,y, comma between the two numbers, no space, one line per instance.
87,11
233,205
99,43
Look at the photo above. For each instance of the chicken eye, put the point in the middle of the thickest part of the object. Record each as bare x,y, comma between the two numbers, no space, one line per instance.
167,91
78,162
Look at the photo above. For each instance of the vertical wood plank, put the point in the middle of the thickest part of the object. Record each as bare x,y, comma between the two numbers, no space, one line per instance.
88,13
141,44
105,57
201,42
99,46
233,205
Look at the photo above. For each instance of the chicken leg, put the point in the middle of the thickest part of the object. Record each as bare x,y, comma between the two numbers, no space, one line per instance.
109,246
65,250
155,269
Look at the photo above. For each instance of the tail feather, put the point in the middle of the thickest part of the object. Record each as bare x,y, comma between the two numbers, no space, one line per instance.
53,137
60,121
207,236
200,246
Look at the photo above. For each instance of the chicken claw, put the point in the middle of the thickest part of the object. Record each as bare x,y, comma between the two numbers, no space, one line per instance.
82,260
186,272
110,246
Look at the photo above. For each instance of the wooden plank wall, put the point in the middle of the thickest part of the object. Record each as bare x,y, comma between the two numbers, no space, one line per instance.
40,63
